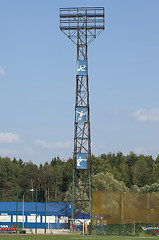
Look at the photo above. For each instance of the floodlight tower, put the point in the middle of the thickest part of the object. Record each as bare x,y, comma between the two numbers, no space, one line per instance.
82,25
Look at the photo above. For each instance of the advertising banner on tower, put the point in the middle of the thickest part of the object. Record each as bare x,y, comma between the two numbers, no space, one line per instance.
81,114
82,161
82,68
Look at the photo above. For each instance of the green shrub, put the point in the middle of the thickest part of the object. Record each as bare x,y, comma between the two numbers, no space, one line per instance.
22,231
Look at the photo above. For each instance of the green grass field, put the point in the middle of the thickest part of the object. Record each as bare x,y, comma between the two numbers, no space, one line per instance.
70,237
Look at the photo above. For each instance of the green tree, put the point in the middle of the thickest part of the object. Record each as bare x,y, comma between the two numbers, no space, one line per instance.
106,182
67,174
29,176
140,172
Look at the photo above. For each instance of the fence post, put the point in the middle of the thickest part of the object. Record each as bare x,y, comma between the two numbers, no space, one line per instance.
45,208
134,228
36,210
121,213
17,211
111,199
148,206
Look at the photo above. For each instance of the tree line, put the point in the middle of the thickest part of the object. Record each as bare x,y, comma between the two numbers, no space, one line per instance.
110,172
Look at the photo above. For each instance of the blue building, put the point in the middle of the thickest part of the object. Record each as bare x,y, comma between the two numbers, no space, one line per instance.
56,215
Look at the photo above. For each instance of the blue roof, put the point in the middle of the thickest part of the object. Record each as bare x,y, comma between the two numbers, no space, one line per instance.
53,208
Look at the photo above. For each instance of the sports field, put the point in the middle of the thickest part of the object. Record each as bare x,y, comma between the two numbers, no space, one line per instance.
70,237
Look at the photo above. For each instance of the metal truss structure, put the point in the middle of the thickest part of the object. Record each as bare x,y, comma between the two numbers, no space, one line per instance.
82,26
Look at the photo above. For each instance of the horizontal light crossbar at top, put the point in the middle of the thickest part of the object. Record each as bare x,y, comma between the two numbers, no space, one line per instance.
82,8
82,18
80,15
82,12
76,28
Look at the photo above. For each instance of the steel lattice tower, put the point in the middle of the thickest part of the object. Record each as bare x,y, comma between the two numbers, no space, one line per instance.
81,26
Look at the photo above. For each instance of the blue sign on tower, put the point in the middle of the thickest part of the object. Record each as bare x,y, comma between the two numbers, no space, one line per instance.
82,161
82,68
81,114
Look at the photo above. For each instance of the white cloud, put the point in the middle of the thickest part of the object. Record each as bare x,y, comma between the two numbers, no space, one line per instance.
2,72
9,137
145,115
51,145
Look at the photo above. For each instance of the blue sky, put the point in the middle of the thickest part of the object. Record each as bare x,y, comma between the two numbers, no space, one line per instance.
37,80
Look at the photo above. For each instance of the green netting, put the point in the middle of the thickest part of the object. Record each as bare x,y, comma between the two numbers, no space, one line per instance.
123,208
